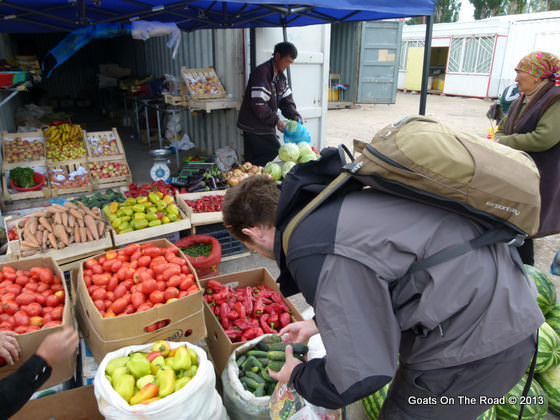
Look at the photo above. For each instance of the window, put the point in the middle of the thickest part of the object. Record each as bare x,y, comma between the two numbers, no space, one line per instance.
405,45
471,55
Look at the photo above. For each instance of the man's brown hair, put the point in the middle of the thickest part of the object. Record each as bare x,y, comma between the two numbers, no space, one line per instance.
251,203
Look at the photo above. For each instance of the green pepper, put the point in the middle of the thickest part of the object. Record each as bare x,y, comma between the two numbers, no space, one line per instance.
166,382
180,383
115,363
182,359
154,223
144,380
138,365
157,364
125,387
139,224
153,197
118,372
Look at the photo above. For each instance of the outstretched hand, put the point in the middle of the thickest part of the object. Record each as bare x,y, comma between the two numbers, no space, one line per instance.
298,332
284,374
58,346
9,347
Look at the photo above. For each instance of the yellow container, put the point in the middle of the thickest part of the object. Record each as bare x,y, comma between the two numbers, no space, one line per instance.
333,94
441,83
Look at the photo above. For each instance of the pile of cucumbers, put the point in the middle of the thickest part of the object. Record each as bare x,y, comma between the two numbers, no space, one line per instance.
253,365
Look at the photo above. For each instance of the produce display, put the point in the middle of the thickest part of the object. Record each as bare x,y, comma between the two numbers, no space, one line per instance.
64,142
103,145
254,364
235,175
142,212
203,83
19,150
209,203
58,227
62,178
247,312
135,190
290,154
548,352
137,278
22,177
142,378
536,402
100,199
106,169
31,299
198,250
204,179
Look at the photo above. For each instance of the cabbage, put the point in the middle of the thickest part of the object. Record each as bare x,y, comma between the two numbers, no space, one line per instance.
304,147
289,152
306,157
291,126
286,168
274,170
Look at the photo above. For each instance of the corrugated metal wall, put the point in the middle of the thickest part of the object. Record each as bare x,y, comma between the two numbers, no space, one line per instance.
345,47
221,49
8,110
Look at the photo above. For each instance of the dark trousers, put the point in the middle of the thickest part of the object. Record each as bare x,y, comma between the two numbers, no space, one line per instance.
459,392
527,252
260,148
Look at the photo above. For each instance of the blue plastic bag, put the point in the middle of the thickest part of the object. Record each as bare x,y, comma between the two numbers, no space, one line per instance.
296,135
555,266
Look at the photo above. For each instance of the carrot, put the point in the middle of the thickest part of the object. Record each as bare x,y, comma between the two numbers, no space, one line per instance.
52,240
31,223
58,207
64,217
83,235
71,221
43,221
28,244
57,218
39,237
61,234
29,238
96,211
91,225
44,240
77,236
76,214
68,230
100,228
80,222
88,235
70,205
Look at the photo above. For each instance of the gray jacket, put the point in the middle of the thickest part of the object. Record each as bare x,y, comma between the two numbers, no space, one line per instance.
348,258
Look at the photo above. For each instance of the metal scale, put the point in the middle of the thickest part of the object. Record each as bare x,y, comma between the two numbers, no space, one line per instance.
160,171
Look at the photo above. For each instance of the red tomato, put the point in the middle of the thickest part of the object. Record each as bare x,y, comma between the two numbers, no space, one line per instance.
144,307
120,291
44,286
36,320
151,328
135,256
46,310
10,307
34,309
20,329
56,313
10,276
118,305
108,265
126,297
107,303
171,271
47,317
117,265
111,254
161,285
137,299
15,289
174,281
131,249
21,318
4,317
22,279
91,289
156,296
144,261
87,272
25,298
102,259
157,261
7,325
128,283
98,294
113,282
90,263
185,269
40,299
183,293
161,324
109,314
87,279
56,287
178,260
101,279
152,251
60,295
31,286
100,305
170,292
46,275
8,297
110,295
52,301
31,328
169,255
129,309
97,269
160,268
149,286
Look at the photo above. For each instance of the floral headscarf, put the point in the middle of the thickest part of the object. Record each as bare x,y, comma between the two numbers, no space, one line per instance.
541,64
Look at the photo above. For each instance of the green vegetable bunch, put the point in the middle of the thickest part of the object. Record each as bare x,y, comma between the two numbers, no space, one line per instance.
22,177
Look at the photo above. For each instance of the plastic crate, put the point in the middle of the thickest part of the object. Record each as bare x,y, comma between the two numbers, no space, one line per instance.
230,246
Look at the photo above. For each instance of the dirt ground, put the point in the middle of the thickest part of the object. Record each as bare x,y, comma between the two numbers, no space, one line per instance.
467,114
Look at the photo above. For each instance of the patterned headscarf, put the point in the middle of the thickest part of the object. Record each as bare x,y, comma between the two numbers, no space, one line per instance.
541,64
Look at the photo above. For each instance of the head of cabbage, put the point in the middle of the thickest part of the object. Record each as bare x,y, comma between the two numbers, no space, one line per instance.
286,168
274,170
308,156
289,152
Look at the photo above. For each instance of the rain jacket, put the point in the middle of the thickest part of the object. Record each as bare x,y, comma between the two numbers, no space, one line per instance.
349,258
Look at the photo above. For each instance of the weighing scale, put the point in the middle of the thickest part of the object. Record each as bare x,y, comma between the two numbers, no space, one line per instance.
160,171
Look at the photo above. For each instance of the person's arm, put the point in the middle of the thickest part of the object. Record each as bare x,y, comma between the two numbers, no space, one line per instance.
287,104
361,335
260,91
545,135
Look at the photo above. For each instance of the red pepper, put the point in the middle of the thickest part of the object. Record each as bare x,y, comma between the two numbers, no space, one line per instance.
273,320
285,319
234,335
266,328
251,333
238,306
221,297
277,297
216,286
259,307
242,323
232,315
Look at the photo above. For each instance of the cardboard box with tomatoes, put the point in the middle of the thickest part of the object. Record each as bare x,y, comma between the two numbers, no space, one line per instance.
35,303
252,282
139,294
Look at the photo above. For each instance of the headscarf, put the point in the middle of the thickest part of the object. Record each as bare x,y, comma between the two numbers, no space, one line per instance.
541,64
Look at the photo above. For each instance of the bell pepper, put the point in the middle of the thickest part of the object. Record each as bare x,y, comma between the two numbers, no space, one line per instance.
125,386
138,365
153,197
151,400
140,223
162,346
193,356
240,309
181,382
216,286
285,319
113,207
251,333
157,364
166,382
233,334
144,380
264,325
169,361
154,223
118,372
115,363
182,359
141,199
148,391
259,307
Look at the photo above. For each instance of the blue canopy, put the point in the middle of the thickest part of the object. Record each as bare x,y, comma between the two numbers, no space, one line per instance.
27,16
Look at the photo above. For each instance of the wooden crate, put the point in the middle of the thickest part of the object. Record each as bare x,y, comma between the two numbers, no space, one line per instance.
198,219
91,137
84,156
175,100
68,166
195,79
209,105
30,136
112,182
13,195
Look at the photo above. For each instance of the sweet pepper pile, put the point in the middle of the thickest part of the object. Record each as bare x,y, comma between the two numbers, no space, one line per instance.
135,190
247,312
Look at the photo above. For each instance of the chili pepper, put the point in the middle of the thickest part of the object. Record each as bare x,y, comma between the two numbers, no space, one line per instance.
242,323
249,300
233,335
209,298
259,307
277,297
222,296
285,319
232,315
265,327
251,333
238,306
273,319
224,309
214,285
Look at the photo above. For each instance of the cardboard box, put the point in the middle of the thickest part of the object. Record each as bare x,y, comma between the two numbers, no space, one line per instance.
74,404
102,335
219,343
30,342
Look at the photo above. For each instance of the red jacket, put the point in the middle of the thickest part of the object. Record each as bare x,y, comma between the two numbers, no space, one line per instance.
265,93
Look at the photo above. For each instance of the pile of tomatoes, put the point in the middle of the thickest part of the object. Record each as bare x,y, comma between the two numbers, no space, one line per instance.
30,299
137,278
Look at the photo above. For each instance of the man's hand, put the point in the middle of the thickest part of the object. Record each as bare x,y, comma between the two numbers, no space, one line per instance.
298,332
300,119
280,125
58,346
284,374
9,347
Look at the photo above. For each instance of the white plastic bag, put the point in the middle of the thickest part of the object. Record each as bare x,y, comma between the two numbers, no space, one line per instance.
197,400
240,403
286,404
226,157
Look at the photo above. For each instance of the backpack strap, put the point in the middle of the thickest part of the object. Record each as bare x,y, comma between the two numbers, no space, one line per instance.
529,377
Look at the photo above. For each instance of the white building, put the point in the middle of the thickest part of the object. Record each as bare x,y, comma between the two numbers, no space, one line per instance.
477,58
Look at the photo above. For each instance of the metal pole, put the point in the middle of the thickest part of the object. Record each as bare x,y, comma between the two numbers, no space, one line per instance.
158,126
252,49
145,101
285,35
426,65
137,118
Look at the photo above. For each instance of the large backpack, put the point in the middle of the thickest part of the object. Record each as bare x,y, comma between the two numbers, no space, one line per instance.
424,160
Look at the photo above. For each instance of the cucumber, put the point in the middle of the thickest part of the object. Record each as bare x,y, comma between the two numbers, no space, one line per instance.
255,377
261,346
250,363
257,353
297,347
276,355
269,388
241,359
259,392
263,361
276,338
276,365
266,376
250,384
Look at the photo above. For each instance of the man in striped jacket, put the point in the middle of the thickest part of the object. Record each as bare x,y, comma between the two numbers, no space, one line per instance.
267,90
